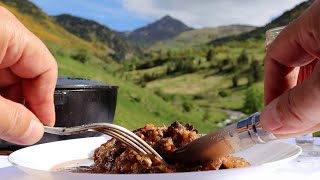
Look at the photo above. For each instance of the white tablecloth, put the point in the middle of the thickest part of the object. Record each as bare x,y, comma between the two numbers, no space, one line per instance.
302,168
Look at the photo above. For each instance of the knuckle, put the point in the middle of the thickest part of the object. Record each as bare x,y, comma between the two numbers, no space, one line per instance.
10,131
287,110
18,113
292,107
6,13
3,10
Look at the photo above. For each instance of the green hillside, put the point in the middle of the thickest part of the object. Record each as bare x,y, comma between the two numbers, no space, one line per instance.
194,82
259,33
100,35
197,37
45,28
227,73
136,106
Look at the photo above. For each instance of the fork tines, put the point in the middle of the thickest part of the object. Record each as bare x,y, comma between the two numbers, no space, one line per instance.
120,133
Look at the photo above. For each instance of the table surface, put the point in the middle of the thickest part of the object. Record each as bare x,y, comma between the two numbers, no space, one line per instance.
304,167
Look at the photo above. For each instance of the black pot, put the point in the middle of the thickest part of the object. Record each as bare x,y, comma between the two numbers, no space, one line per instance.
77,102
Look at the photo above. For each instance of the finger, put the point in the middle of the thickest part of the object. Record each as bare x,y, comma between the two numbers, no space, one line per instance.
297,110
300,133
13,93
306,71
18,124
296,46
7,78
278,79
39,96
29,59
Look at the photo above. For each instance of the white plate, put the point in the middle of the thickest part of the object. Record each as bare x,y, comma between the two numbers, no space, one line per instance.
39,159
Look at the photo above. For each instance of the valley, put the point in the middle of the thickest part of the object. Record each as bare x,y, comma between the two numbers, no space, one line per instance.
166,70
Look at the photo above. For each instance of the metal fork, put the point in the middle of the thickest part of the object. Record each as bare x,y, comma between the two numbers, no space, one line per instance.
118,132
235,137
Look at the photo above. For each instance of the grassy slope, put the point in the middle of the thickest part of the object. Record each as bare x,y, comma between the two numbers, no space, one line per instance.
136,106
200,36
201,83
48,31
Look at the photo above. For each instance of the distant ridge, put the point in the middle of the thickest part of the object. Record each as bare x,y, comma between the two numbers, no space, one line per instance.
197,37
259,33
100,34
165,28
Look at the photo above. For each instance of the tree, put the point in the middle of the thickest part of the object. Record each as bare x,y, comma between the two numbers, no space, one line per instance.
210,55
256,70
133,63
243,58
253,100
170,54
225,62
222,64
250,81
235,79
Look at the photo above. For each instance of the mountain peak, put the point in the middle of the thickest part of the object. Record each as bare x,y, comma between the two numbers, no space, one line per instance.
160,30
167,17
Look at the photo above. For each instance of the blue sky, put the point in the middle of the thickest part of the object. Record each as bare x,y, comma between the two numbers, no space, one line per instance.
123,15
108,12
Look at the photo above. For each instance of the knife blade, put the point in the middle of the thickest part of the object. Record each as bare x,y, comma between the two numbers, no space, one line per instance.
230,139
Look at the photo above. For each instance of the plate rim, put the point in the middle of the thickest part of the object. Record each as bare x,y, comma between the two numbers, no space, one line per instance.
13,162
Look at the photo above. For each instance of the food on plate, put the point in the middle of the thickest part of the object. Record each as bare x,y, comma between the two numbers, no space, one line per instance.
115,157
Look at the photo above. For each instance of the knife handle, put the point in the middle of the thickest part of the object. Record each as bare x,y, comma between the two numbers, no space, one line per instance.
250,127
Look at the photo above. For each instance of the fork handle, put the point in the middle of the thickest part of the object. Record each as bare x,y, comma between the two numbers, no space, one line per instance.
63,130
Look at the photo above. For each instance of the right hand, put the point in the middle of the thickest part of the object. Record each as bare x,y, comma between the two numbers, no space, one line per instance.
294,109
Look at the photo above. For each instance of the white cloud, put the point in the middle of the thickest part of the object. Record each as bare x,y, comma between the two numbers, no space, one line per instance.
202,13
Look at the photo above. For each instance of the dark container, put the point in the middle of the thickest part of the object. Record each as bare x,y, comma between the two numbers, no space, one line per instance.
77,102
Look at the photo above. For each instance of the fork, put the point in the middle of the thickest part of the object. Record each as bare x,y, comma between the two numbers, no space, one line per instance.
235,137
118,132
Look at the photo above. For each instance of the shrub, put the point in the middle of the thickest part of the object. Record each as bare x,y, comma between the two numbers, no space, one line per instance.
243,59
256,70
134,98
235,79
163,95
253,99
187,106
223,93
210,55
81,55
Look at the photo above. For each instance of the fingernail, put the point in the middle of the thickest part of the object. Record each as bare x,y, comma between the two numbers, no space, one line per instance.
32,134
270,116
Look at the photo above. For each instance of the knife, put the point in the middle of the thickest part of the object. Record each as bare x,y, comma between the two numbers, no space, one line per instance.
230,139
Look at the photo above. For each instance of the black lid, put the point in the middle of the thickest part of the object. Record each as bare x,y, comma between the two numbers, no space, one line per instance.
80,83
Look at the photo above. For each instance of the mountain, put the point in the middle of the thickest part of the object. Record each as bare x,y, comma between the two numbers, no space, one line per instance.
213,77
259,33
45,27
99,34
160,30
201,36
136,106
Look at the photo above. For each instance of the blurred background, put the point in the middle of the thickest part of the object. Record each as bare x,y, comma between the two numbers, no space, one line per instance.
198,62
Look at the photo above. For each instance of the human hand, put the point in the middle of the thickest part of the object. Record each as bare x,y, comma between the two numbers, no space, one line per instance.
28,74
294,109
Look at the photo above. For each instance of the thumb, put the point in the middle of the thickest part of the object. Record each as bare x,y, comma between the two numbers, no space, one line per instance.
18,124
297,111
